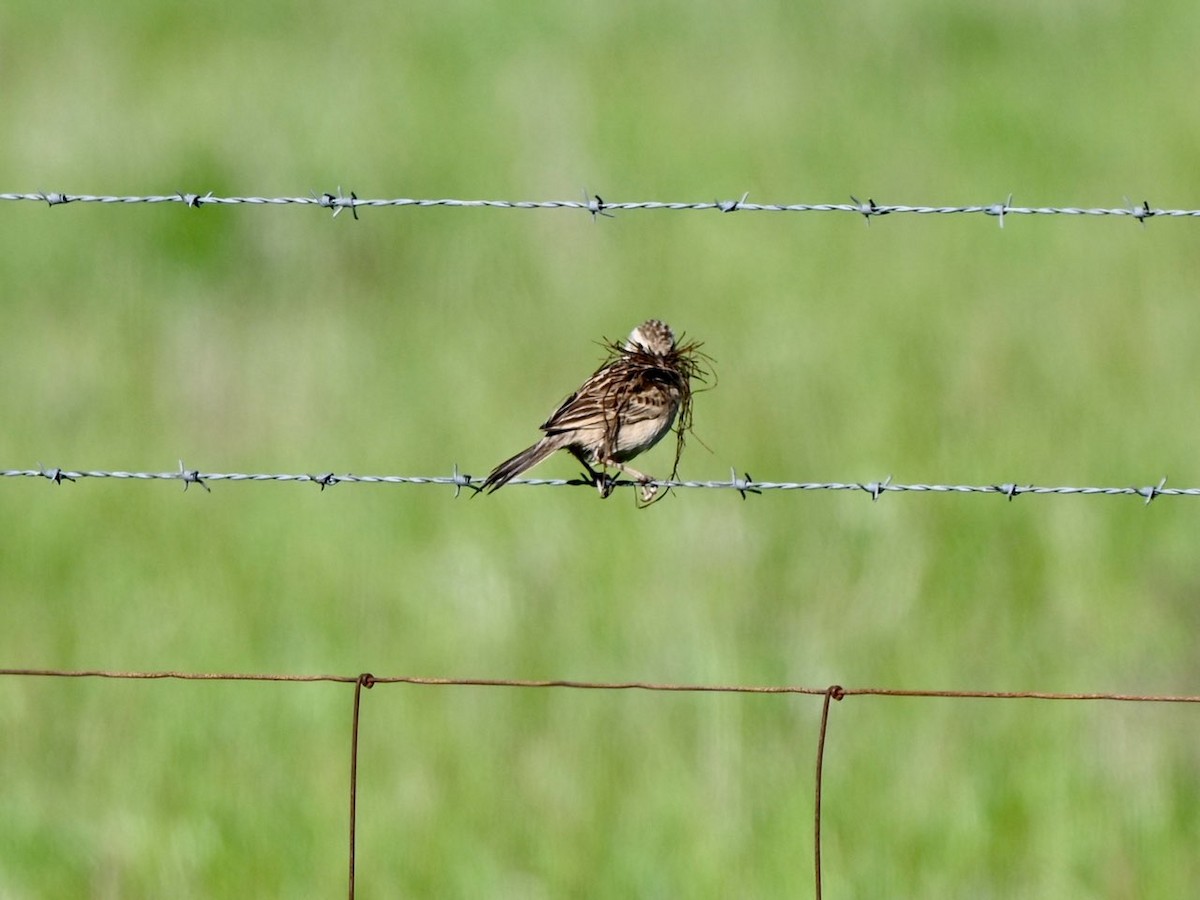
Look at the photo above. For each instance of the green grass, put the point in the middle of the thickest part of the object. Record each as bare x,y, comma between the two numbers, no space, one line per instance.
1055,351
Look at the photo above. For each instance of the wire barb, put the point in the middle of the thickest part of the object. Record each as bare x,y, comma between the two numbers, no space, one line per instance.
337,202
326,479
868,209
596,206
192,476
999,209
57,475
876,488
463,481
194,201
1151,492
744,485
728,206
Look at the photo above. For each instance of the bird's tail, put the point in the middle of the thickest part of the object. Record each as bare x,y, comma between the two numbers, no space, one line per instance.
526,459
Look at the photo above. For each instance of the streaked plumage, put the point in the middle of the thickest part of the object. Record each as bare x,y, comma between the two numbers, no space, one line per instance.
625,408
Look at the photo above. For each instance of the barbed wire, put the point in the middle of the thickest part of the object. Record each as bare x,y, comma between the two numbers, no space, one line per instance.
367,680
744,484
597,206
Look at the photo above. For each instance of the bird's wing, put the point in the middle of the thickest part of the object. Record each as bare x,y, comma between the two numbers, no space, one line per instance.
634,393
583,408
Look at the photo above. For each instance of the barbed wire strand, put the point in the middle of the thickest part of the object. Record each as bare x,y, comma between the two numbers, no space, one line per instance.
367,680
744,485
597,206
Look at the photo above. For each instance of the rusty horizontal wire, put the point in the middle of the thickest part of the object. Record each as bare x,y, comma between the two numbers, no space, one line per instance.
369,680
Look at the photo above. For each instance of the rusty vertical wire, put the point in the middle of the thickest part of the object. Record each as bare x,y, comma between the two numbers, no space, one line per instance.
834,692
364,680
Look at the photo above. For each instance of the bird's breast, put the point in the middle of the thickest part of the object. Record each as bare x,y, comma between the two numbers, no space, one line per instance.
636,437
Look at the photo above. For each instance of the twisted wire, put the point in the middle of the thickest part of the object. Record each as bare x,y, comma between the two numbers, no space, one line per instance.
744,485
596,206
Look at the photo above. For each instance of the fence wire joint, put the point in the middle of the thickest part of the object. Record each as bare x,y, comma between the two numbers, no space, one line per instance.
1141,213
868,209
728,206
54,198
192,476
1009,490
743,485
461,481
876,488
1152,491
194,201
57,475
325,479
999,209
596,206
337,202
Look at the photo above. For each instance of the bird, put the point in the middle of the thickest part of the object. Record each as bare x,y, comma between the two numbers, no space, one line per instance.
626,407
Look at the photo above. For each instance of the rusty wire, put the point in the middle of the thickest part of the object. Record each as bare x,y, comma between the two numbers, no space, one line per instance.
366,680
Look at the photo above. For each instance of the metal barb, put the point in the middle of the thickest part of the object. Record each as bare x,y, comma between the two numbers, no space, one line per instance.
1009,490
744,485
868,209
876,488
57,475
999,209
325,479
1153,491
54,198
461,481
596,206
192,476
728,206
339,202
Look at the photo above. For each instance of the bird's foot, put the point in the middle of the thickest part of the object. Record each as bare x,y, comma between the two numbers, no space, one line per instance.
649,491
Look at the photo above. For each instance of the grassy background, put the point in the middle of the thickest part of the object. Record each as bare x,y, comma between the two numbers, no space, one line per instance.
934,349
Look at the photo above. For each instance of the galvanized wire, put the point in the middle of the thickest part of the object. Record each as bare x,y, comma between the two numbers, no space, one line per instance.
597,206
744,485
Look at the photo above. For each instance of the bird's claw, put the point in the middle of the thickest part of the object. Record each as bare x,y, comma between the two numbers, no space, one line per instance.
649,492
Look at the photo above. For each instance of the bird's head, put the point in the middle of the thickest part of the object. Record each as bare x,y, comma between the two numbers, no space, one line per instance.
652,336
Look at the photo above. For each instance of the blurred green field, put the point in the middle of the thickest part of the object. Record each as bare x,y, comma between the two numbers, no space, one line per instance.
934,349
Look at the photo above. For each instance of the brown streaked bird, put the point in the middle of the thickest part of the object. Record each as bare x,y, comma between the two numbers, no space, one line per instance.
626,407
